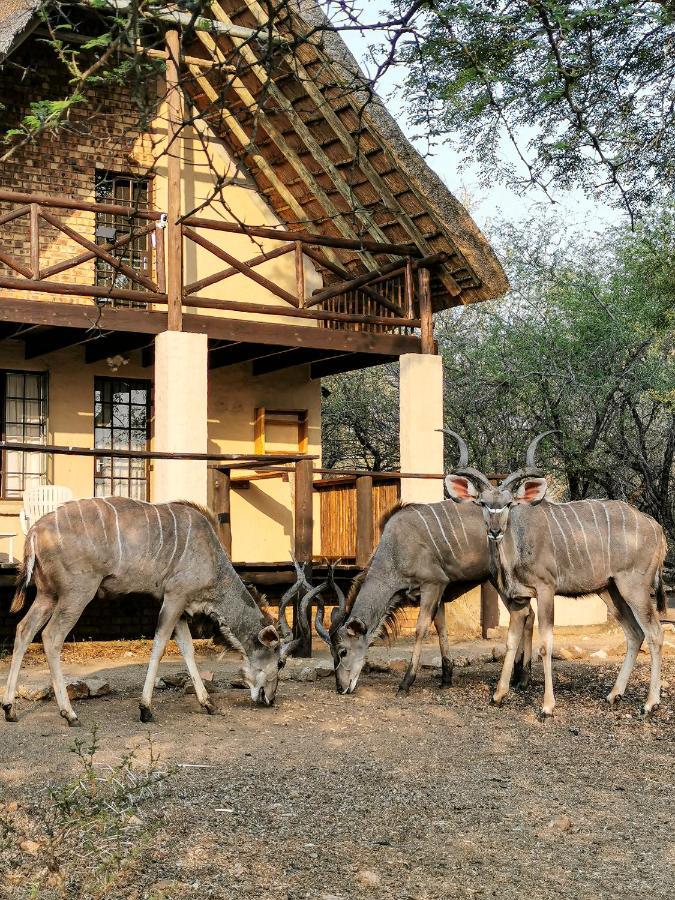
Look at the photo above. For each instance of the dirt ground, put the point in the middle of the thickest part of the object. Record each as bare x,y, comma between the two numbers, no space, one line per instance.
322,796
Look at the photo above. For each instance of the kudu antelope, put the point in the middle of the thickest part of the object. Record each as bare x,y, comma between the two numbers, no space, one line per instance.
109,547
436,549
539,548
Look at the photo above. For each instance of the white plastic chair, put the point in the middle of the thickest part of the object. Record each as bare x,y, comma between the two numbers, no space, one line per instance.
37,501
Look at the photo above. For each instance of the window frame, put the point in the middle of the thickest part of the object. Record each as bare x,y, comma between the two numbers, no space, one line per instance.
43,400
145,384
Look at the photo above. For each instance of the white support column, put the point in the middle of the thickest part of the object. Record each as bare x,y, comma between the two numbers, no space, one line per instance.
181,385
421,390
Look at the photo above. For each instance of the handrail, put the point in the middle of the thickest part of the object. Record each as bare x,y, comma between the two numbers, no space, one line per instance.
58,202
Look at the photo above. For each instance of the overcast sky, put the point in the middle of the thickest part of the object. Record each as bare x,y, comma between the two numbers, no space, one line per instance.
486,202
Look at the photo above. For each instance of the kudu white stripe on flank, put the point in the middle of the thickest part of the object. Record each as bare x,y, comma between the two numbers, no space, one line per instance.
119,534
445,537
100,515
562,532
161,531
187,536
447,516
84,525
609,539
597,527
175,539
555,557
583,534
426,525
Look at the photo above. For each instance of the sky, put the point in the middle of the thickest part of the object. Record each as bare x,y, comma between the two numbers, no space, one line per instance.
486,203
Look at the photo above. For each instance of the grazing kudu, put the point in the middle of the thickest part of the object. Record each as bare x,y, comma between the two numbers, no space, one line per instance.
170,551
438,549
539,548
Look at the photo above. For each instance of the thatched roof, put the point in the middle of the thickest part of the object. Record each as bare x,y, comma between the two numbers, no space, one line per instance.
321,147
15,15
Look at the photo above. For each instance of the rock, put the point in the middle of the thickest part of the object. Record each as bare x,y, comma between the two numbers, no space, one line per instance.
210,686
498,651
307,673
366,878
578,652
77,690
460,662
207,677
599,654
134,820
177,680
98,687
129,654
35,691
323,670
31,847
492,634
561,824
239,684
562,653
398,665
160,684
664,685
377,668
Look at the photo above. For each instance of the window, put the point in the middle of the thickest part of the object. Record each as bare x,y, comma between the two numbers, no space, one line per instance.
121,422
280,427
24,421
127,191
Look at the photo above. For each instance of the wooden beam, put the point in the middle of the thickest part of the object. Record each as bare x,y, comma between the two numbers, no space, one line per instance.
196,286
344,274
334,290
222,506
112,344
174,243
79,315
59,202
349,362
241,267
307,237
287,359
79,290
424,299
236,353
40,343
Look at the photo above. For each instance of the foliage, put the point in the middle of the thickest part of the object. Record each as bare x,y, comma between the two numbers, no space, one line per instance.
84,833
583,90
585,345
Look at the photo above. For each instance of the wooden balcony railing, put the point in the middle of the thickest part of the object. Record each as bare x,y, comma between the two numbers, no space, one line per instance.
381,300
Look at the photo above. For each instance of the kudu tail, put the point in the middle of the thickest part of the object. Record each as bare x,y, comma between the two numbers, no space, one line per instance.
24,576
659,586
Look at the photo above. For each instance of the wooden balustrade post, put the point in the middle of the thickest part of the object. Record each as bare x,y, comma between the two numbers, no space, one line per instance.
174,228
35,240
364,520
221,501
303,550
299,274
427,329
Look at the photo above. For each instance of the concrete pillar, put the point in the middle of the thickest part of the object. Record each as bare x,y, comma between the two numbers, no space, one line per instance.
421,384
181,384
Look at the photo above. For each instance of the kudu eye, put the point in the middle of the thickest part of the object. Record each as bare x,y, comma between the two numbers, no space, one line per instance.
342,653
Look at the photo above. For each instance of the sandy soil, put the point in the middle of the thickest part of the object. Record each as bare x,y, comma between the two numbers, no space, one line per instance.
323,796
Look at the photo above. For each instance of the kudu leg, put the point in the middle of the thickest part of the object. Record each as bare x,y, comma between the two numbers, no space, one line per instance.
522,667
637,596
68,610
184,640
444,644
429,599
169,615
517,616
39,612
634,638
545,598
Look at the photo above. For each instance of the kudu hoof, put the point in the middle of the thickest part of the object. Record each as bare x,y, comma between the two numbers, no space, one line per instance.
211,709
402,693
614,701
544,715
71,719
496,701
10,715
146,715
648,711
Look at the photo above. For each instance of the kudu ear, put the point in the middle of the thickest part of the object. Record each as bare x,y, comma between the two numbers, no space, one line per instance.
531,491
268,636
355,628
461,489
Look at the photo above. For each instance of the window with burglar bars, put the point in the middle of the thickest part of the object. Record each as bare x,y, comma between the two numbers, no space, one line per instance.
24,421
127,191
122,422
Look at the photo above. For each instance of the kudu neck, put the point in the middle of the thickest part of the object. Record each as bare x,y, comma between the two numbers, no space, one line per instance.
377,592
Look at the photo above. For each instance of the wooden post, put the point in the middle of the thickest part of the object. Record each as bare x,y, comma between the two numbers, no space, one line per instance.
364,520
221,502
304,528
489,608
299,274
35,240
427,336
174,248
409,289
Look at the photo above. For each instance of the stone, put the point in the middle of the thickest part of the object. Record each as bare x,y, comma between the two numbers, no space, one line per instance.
498,651
599,654
366,878
77,690
561,824
239,684
377,668
323,670
664,685
176,680
31,847
98,687
461,662
35,691
160,684
563,653
210,686
307,673
492,634
398,665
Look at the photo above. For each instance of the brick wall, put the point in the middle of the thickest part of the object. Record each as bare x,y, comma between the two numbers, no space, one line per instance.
101,133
